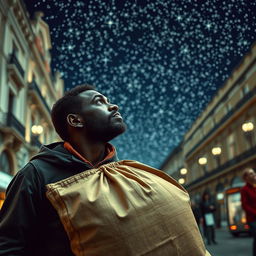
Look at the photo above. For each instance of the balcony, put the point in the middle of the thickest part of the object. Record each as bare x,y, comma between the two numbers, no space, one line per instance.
249,96
35,91
15,70
13,123
227,165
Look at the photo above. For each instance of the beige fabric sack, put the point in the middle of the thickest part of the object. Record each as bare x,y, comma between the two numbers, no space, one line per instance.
126,208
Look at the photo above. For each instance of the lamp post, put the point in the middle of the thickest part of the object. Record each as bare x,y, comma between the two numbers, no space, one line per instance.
203,161
247,128
216,151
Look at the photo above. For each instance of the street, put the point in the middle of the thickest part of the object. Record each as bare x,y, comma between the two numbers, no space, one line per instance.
229,245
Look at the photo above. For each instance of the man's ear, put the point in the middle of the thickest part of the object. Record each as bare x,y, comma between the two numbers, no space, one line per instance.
74,120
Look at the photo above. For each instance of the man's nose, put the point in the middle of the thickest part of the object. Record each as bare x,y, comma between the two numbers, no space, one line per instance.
113,107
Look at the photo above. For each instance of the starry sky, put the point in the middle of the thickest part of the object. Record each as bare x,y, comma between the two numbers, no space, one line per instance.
161,61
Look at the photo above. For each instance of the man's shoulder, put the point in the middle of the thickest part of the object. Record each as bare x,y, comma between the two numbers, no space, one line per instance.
31,168
34,170
52,170
27,170
26,178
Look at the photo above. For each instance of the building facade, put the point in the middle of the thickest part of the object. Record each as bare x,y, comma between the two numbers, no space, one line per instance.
27,88
221,142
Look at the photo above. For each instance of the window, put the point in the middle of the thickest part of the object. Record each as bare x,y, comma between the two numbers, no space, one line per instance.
237,181
246,89
11,102
231,146
1,26
5,165
15,49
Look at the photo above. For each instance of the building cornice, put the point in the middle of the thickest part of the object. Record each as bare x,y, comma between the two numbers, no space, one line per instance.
235,78
233,114
232,164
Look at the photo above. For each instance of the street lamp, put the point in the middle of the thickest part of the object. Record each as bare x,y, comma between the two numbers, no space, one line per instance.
247,128
181,180
203,161
216,151
183,171
37,129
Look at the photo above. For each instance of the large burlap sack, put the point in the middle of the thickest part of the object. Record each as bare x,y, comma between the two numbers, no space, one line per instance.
126,208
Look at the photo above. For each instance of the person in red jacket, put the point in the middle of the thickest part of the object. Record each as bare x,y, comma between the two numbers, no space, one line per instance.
248,197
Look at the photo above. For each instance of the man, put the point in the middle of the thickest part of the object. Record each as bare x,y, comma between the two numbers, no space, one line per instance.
248,198
76,198
207,209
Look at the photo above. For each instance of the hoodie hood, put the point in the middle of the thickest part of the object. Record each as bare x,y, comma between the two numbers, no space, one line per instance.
57,154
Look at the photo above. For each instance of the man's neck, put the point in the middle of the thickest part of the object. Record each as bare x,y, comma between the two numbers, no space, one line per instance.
91,151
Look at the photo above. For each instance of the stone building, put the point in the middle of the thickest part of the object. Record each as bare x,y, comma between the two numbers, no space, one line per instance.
28,88
221,142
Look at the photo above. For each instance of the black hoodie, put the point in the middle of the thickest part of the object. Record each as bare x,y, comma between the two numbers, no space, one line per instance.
29,225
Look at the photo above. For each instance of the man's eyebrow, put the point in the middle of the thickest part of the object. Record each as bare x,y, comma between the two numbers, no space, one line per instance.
99,96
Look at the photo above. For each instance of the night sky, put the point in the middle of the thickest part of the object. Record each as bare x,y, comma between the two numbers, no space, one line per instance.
160,61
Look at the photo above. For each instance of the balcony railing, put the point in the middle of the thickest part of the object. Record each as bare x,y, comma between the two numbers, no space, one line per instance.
13,60
33,86
226,165
15,124
242,102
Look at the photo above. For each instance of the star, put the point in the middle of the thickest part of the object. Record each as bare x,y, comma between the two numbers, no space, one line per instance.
110,23
208,25
105,60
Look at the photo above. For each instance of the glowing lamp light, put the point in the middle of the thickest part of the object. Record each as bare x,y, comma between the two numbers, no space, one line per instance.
181,181
37,129
243,220
220,196
183,171
246,226
233,227
202,160
216,151
247,127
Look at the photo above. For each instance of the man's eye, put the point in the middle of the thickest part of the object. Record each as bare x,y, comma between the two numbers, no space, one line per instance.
100,101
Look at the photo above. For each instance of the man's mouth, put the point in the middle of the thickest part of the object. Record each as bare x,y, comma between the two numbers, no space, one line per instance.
117,114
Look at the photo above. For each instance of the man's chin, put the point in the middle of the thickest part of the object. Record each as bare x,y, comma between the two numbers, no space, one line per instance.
116,131
106,134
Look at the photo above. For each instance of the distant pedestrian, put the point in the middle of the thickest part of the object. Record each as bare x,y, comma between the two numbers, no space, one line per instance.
248,198
197,212
208,208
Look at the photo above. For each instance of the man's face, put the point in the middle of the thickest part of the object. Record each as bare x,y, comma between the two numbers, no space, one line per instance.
250,176
101,120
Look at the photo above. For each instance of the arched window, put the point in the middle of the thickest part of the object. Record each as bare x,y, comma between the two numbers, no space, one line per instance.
5,163
237,182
